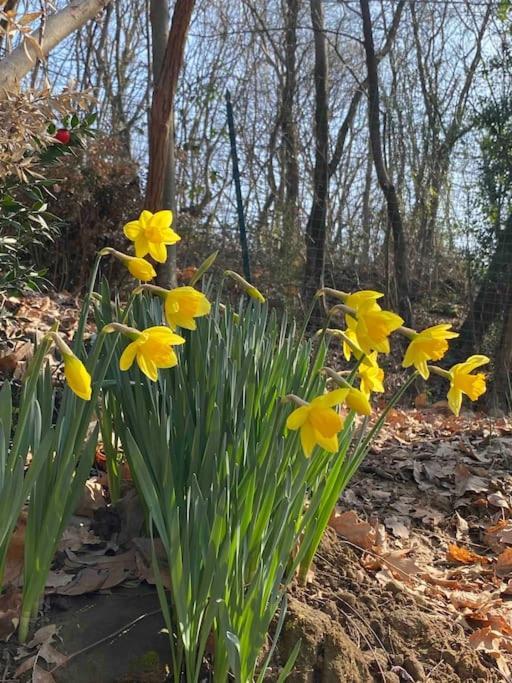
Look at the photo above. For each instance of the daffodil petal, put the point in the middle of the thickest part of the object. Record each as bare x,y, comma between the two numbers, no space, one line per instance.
128,356
162,219
132,230
141,246
147,366
297,418
307,438
454,400
158,251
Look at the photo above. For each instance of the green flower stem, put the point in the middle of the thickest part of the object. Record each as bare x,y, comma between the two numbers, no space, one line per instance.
78,338
439,371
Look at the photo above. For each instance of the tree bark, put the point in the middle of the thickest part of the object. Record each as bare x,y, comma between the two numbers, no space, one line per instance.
316,226
162,104
289,129
159,19
400,253
59,26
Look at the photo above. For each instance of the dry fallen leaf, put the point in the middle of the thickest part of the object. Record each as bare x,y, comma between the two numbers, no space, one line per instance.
398,527
462,527
504,563
486,639
497,535
88,580
40,675
93,498
354,529
460,555
498,500
466,481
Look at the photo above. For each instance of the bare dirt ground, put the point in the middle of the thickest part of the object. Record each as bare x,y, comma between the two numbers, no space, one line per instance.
415,586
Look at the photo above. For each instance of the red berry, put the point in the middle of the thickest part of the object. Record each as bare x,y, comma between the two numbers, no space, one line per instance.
63,135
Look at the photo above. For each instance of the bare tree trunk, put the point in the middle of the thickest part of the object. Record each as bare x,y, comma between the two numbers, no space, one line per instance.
316,227
365,214
162,104
291,165
59,26
159,18
393,205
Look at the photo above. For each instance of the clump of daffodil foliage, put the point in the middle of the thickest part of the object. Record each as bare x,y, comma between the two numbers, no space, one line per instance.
239,439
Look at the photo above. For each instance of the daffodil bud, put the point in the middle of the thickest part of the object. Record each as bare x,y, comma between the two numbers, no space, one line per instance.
138,267
77,377
249,289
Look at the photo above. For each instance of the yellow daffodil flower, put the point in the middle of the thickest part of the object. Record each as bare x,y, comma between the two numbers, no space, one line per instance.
430,344
152,348
373,327
371,376
77,377
358,401
318,422
182,305
356,299
151,233
463,382
138,267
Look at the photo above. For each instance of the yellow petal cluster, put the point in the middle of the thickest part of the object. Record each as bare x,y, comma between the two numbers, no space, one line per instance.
372,326
463,381
183,305
319,424
151,233
371,376
430,344
152,349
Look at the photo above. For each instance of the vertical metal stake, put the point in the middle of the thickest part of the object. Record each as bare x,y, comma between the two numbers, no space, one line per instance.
238,189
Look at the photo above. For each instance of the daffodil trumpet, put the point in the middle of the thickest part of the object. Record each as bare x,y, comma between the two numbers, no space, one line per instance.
463,381
356,399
